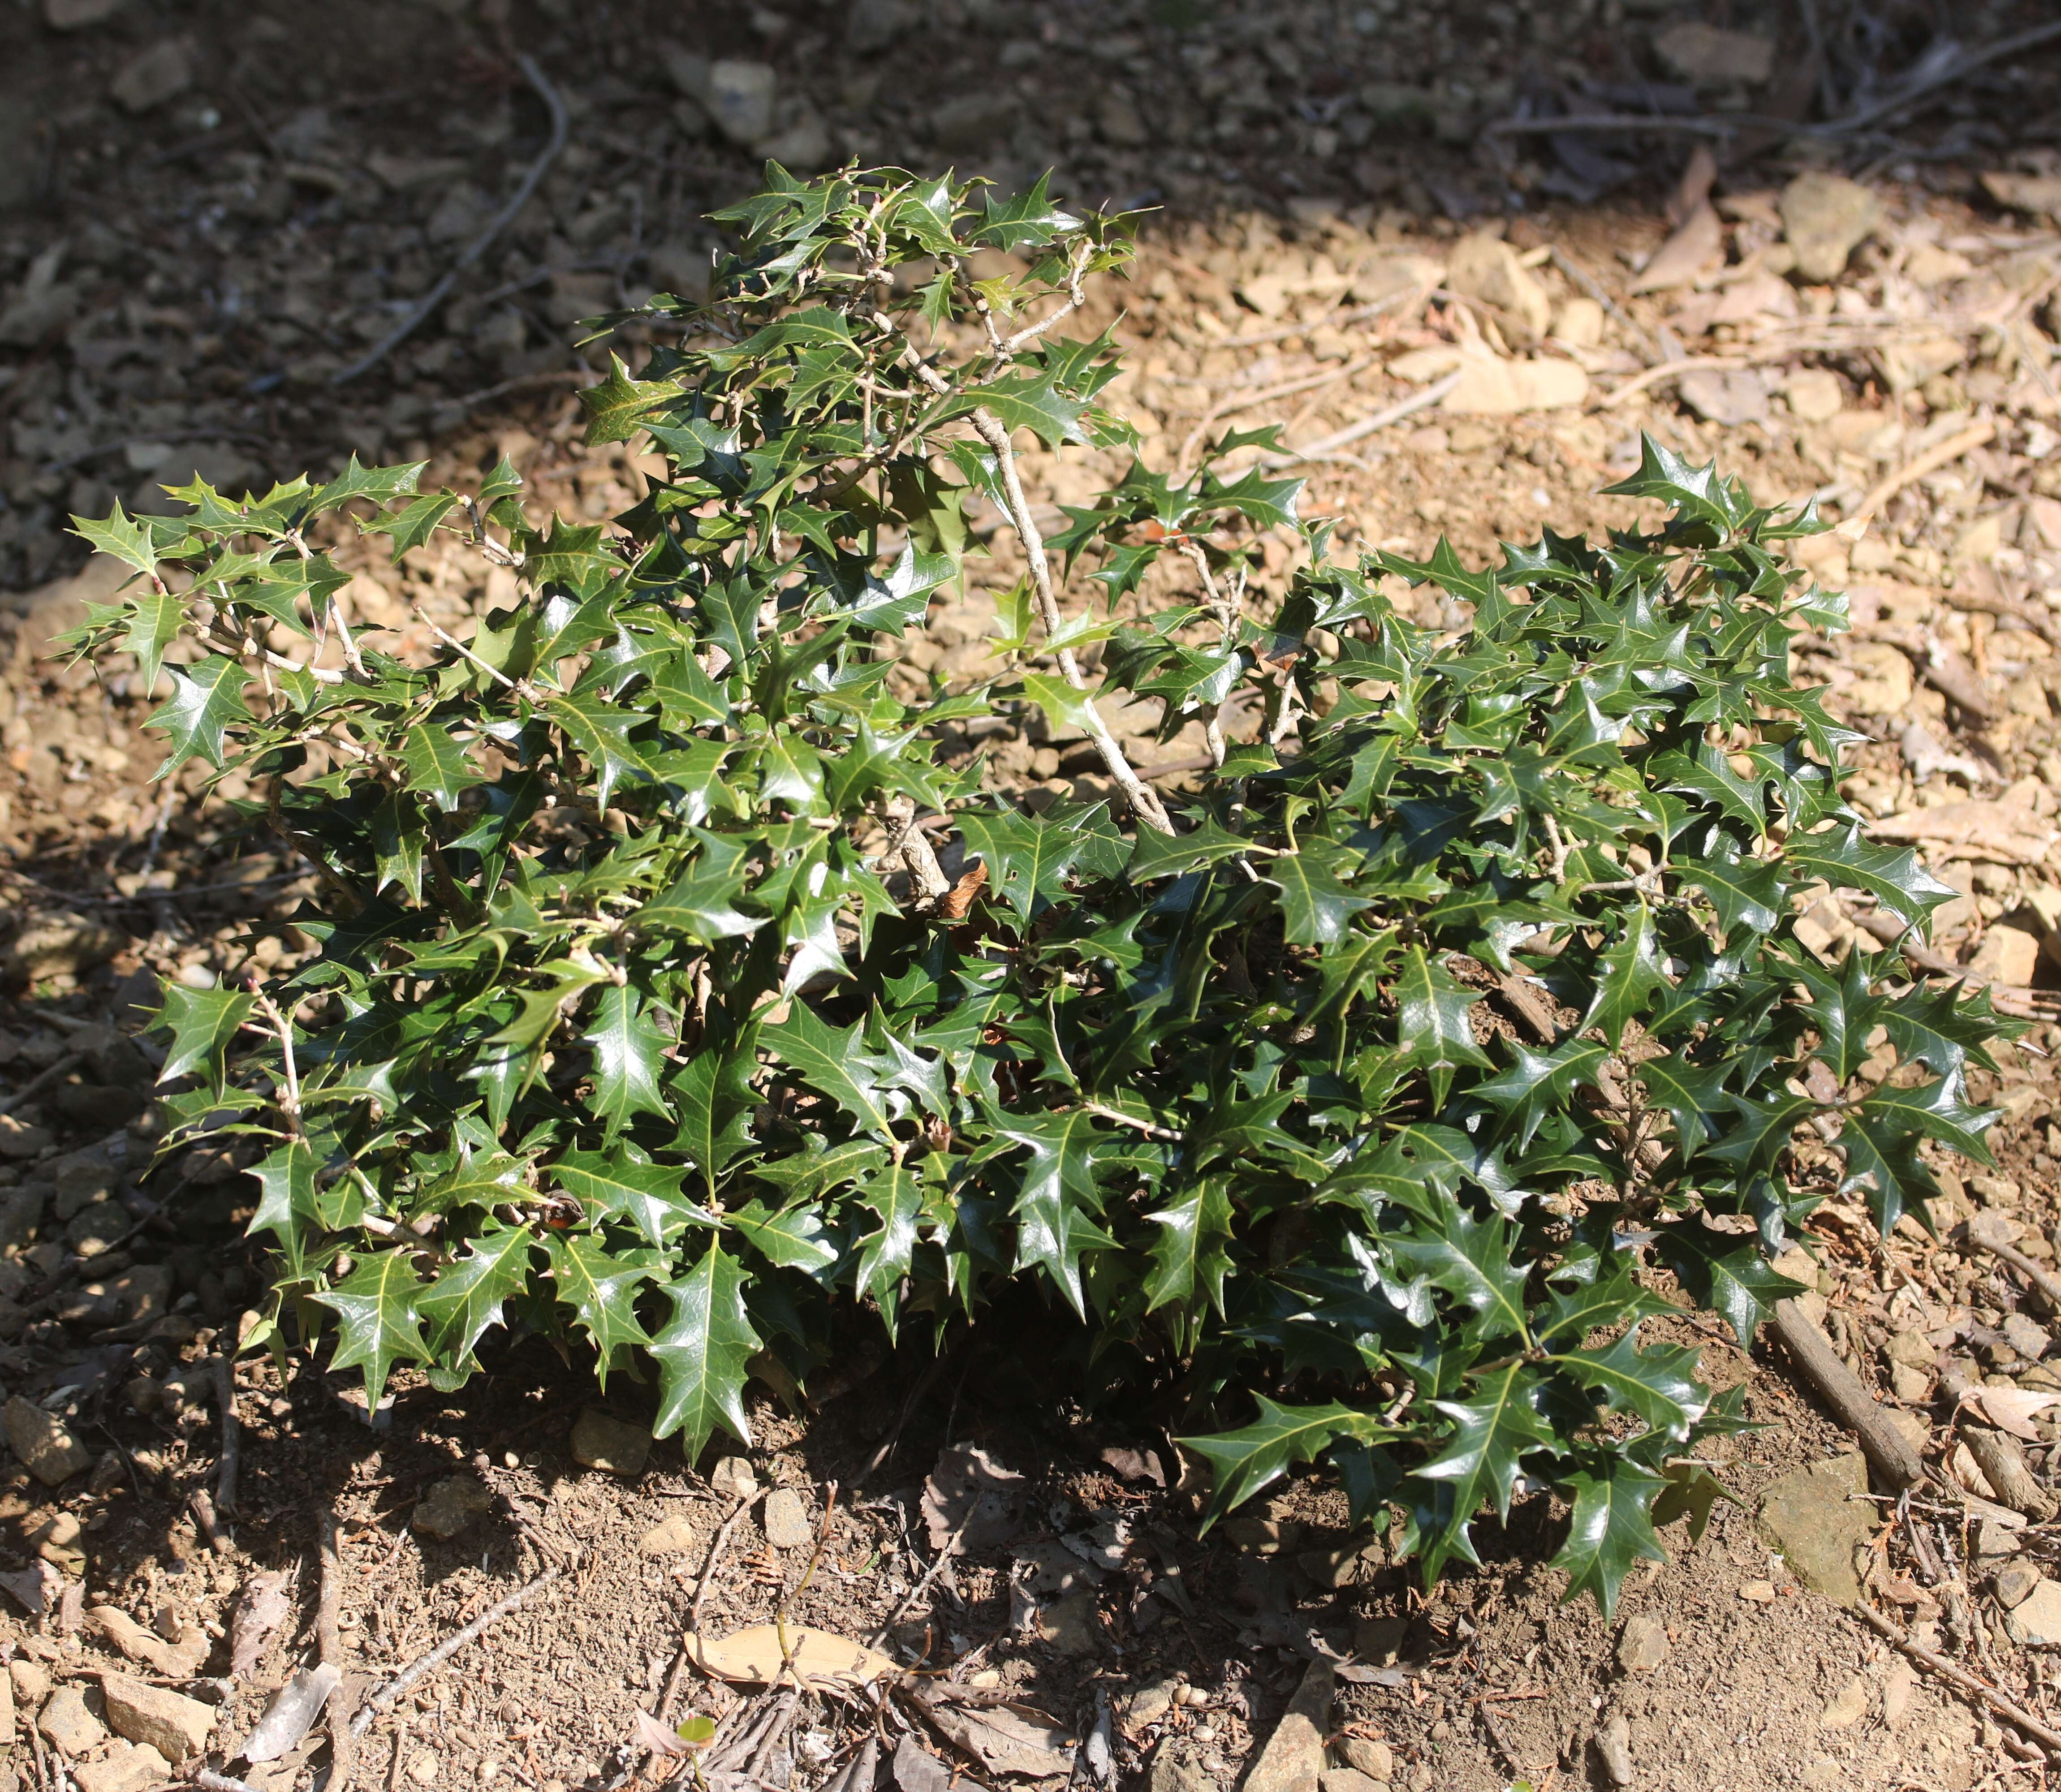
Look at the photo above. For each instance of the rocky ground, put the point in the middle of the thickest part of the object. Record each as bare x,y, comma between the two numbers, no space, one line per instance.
208,214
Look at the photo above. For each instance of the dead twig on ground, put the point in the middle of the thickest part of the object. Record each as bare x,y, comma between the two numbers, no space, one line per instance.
329,1647
480,244
1366,426
418,1669
708,1567
1933,1662
2008,998
232,1432
203,1508
1996,1454
1897,1462
1943,454
923,1585
2043,1278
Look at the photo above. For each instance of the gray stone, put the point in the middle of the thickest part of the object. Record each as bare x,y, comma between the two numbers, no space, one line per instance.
734,1476
1808,1516
22,1212
1642,1647
1294,1757
1613,1746
46,1447
174,1725
1729,399
972,121
1119,121
66,1722
740,98
69,944
1151,1702
873,25
1373,1758
1825,217
1173,1772
2015,1583
451,1506
787,1523
669,1535
76,15
1486,268
151,76
802,146
2036,1623
1712,56
1379,1641
599,1441
1069,1624
2027,1337
1346,1779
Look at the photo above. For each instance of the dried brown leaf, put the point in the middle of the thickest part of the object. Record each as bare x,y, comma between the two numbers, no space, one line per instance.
969,1488
815,1657
263,1608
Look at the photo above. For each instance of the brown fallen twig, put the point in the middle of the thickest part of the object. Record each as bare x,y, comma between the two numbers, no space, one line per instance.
203,1508
1933,1662
328,1645
232,1433
1366,426
424,1665
1811,1351
1943,454
2008,998
480,244
923,1585
715,1558
2033,1271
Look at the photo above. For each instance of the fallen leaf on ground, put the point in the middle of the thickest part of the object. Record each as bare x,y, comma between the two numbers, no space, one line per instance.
2011,1409
1135,1465
2008,831
1962,1466
263,1608
816,1657
969,1488
292,1712
646,1732
1005,1738
33,1586
916,1769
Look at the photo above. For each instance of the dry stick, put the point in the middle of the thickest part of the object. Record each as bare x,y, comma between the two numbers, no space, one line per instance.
2041,1278
1670,369
1940,454
328,1645
2009,998
63,1066
921,1587
1809,1348
2042,625
384,1698
435,297
1947,77
1366,426
203,1511
232,1432
1936,1663
1595,289
1997,1456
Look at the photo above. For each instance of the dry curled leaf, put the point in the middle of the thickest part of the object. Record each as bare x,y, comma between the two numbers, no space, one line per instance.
1135,1465
954,904
1004,1739
2012,1409
814,1658
263,1608
973,1498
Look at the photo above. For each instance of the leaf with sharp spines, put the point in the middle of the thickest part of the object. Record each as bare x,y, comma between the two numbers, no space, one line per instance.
1747,893
1057,1203
378,484
1612,1528
895,1197
1028,858
1254,1456
377,1324
629,1056
835,1061
790,1238
436,764
207,701
602,1294
1934,1111
287,1205
152,623
618,407
1897,879
1431,1022
1190,1257
1692,1095
202,1024
1470,1259
1730,1278
1492,1431
1884,1160
702,1353
624,1184
1628,976
467,1297
1658,1384
117,534
1315,905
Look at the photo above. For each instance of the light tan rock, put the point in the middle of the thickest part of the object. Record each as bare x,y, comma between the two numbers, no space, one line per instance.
174,1725
2008,954
1697,245
599,1441
1486,268
68,1723
449,1508
1824,218
1643,1646
1294,1757
1814,395
1578,323
1882,681
1491,388
1369,1755
668,1536
46,1447
127,1767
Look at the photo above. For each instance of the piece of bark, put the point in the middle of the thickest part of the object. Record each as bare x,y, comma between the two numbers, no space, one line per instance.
1891,1453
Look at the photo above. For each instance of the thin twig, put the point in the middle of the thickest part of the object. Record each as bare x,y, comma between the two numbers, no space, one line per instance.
35,1085
1943,454
1957,71
203,1508
1938,1664
708,1567
1596,290
1366,426
428,1664
951,1549
2041,1278
210,1781
1694,124
435,297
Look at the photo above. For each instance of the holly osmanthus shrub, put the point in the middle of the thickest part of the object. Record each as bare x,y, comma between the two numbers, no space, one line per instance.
1370,1086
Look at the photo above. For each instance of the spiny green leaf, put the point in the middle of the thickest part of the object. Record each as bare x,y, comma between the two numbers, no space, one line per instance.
602,1294
629,1051
1254,1456
202,1023
207,701
1612,1528
702,1354
378,1323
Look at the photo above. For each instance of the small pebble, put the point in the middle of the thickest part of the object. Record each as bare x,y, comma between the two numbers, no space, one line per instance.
787,1526
422,1770
1761,1593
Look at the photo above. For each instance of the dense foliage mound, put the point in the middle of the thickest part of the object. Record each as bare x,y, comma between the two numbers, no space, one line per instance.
1384,1069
